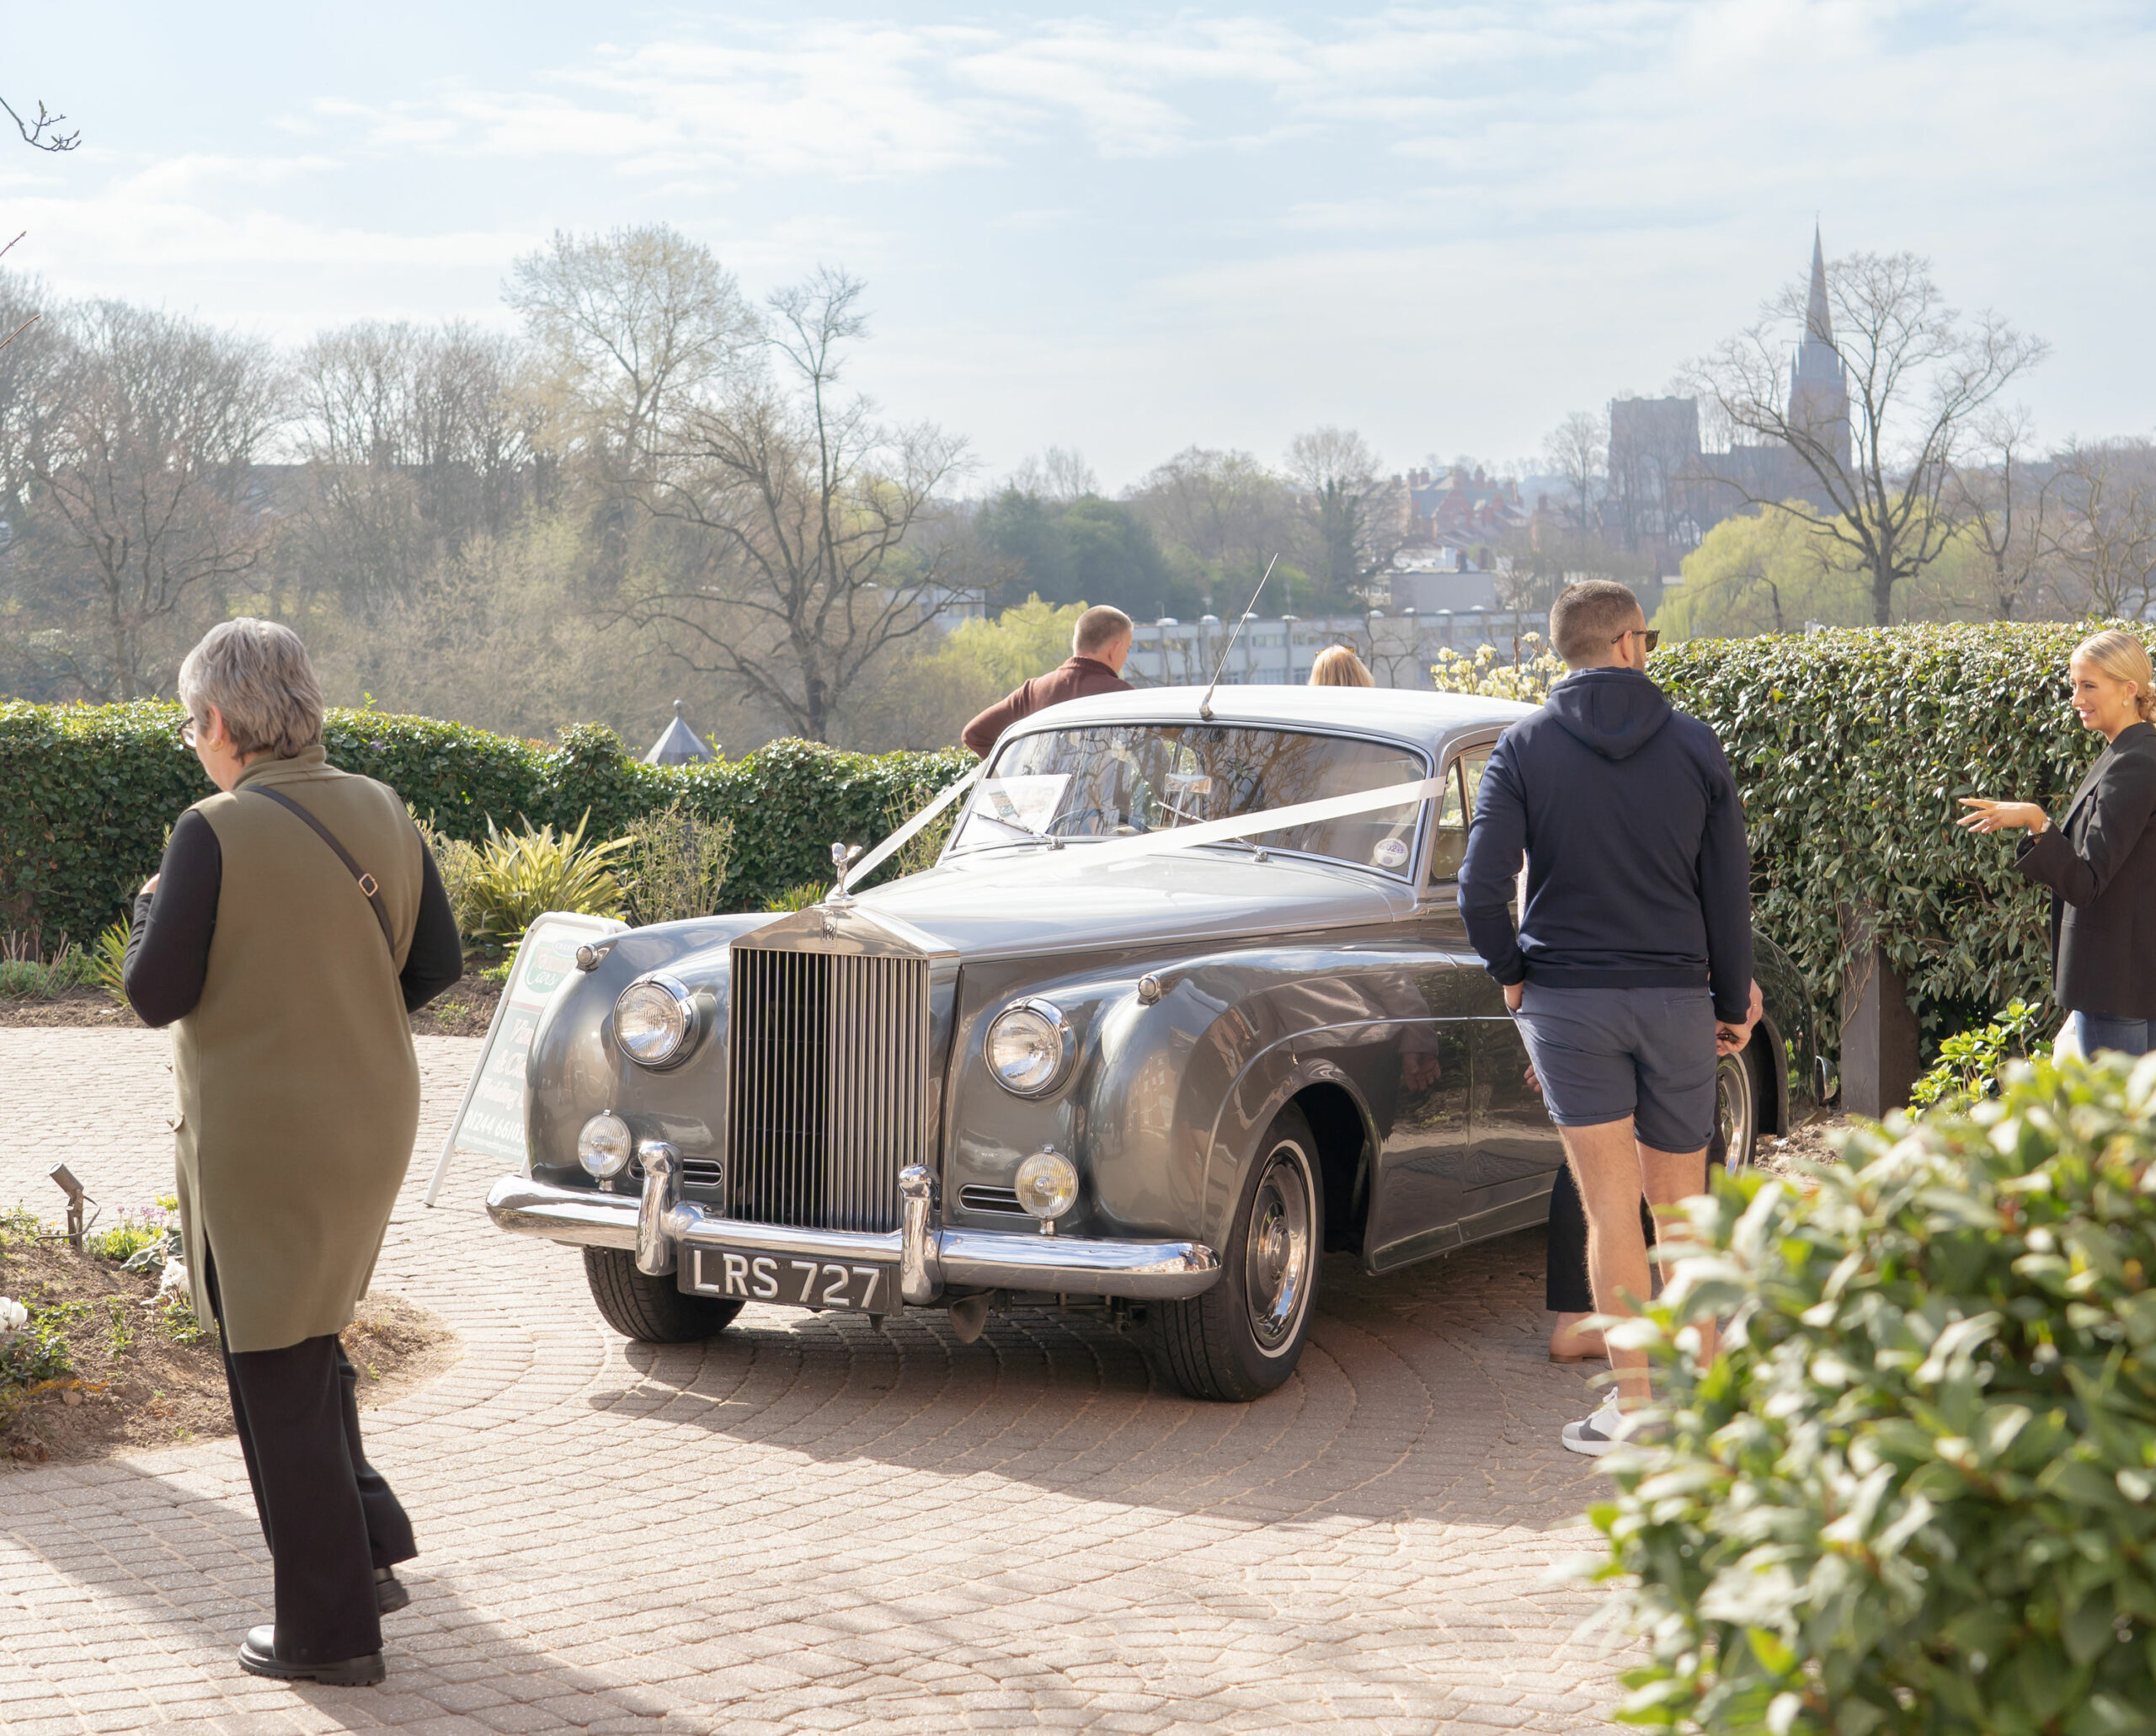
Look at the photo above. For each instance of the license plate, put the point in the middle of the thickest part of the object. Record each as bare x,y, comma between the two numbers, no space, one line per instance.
867,1287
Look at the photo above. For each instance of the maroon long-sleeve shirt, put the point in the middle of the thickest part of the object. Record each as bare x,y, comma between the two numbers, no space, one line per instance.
1074,680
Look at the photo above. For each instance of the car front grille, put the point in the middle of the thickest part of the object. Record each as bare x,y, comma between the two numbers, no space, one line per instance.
827,1083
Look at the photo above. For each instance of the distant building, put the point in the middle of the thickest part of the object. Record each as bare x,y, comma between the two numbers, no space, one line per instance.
1665,493
1426,578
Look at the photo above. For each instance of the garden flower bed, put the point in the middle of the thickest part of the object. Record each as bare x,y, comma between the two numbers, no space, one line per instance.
97,1359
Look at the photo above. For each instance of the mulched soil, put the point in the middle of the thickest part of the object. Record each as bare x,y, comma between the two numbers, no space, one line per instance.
1813,1141
464,1010
155,1392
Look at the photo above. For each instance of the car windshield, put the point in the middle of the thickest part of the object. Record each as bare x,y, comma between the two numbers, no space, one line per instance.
1124,780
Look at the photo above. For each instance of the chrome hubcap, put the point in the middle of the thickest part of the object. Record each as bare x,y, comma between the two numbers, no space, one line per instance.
1277,1255
1733,1110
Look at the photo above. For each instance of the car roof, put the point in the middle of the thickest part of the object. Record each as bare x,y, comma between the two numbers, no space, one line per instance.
1429,719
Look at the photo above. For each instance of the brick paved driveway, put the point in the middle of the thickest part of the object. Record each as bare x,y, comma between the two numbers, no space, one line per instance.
807,1524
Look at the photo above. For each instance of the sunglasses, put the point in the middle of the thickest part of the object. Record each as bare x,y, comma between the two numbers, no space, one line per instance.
1652,635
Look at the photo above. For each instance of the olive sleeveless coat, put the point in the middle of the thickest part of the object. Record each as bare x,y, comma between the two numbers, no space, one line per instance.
299,1092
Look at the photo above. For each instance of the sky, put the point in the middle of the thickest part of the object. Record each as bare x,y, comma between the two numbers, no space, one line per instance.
1126,230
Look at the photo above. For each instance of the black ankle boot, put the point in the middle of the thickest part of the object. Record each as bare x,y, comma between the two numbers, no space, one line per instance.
257,1656
389,1592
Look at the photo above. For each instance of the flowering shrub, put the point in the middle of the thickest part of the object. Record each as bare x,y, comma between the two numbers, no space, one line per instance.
1527,679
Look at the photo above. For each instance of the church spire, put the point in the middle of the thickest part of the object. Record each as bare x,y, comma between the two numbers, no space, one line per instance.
1818,391
1818,328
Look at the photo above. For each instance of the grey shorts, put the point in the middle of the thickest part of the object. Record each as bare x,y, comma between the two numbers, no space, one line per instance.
1642,1056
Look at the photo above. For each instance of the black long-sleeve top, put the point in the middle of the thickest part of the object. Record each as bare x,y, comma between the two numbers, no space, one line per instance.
2100,861
168,947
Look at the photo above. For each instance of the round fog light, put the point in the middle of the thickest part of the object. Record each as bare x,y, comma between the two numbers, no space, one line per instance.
1047,1185
603,1146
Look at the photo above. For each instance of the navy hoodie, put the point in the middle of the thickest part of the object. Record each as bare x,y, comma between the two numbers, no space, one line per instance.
1637,873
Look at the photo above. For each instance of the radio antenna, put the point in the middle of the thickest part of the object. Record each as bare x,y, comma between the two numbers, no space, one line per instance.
1205,705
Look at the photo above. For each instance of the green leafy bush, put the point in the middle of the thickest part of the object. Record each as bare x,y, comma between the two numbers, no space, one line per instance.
106,963
1850,748
674,866
138,1230
1969,1061
88,793
798,898
522,874
26,976
1917,1491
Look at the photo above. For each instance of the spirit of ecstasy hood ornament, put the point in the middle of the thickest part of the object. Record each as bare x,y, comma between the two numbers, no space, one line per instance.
843,857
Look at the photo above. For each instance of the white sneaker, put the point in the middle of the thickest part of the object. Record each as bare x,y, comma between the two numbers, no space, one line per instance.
1608,1427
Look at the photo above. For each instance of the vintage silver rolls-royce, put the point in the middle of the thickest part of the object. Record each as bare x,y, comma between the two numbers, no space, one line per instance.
1139,1040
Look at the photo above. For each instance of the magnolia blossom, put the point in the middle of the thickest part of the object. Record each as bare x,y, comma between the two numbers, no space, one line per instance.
13,1317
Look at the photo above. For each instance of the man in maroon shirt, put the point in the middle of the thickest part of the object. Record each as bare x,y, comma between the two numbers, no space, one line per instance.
1097,649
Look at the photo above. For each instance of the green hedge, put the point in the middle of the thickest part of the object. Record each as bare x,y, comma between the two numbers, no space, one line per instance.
86,794
1850,748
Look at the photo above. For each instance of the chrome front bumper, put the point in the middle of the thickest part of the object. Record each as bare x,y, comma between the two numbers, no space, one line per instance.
932,1259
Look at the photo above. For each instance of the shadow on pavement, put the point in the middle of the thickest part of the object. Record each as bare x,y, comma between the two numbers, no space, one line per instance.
1421,1395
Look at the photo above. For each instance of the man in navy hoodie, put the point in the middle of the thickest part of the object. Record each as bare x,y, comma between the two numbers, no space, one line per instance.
1631,967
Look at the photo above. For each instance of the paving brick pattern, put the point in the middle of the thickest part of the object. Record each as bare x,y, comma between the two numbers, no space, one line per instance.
808,1524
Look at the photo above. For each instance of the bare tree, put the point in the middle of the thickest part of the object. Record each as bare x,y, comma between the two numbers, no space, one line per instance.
43,134
1059,476
141,459
2002,506
1878,448
1577,449
635,325
1222,513
804,510
1352,512
2103,527
416,439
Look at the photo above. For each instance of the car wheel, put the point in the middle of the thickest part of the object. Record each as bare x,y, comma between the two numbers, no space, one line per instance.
650,1310
1242,1338
1736,1105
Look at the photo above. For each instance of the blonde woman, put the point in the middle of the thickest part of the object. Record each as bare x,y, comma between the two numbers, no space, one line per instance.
1336,666
2099,859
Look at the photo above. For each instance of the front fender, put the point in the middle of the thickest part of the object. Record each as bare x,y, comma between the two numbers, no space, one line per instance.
575,1071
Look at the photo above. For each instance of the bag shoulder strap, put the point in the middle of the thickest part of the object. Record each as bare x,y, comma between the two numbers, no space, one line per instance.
368,886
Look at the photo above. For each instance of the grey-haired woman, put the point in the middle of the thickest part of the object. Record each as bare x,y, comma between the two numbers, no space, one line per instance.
295,920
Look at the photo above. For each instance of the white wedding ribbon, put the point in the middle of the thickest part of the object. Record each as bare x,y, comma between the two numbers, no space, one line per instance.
904,835
1185,838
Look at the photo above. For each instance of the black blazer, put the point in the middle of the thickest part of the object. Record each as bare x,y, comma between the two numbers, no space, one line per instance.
2100,862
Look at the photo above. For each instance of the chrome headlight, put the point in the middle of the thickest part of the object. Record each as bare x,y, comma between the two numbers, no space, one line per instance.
1028,1048
654,1021
604,1147
1047,1185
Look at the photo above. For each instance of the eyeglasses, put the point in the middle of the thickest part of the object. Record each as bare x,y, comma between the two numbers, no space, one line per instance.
187,732
1652,635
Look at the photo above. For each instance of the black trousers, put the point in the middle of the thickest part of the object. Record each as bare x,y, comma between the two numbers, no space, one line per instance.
330,1518
1565,1288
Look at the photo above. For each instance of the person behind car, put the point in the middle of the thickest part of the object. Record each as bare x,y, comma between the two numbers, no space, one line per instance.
1099,644
1336,666
295,922
1631,968
2099,859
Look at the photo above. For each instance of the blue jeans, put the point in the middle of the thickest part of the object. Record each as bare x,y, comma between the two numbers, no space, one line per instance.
2099,1030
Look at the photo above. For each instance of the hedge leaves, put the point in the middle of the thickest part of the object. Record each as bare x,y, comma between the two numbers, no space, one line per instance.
87,794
